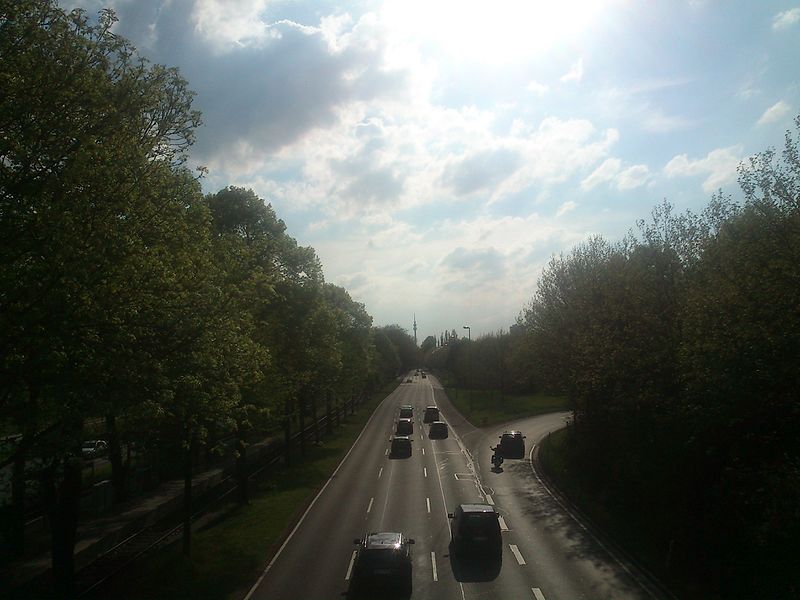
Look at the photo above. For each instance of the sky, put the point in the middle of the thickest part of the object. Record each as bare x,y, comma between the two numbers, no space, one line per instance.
437,153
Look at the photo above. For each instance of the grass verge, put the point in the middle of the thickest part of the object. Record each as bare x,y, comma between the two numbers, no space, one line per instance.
483,408
229,554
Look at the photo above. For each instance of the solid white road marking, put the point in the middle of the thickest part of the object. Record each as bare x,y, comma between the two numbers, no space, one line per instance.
428,502
537,593
515,551
380,473
503,526
350,566
371,500
310,506
489,499
433,564
425,470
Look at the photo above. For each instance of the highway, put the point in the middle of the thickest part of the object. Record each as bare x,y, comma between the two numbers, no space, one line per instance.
547,554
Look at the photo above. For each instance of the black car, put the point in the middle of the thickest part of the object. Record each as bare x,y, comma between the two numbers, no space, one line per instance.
437,430
431,414
401,446
476,530
404,427
406,411
383,560
512,444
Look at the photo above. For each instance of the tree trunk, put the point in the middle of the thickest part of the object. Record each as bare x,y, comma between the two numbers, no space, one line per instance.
301,415
241,466
328,415
17,528
314,417
119,469
187,493
287,432
62,502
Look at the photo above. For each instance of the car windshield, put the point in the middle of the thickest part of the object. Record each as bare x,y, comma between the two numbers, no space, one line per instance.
380,557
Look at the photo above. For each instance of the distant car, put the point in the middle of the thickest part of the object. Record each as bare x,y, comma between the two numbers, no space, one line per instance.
93,448
401,446
383,560
431,414
424,376
406,411
512,444
409,380
437,430
404,427
476,530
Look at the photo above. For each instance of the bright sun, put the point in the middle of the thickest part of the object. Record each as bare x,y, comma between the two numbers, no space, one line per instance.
491,32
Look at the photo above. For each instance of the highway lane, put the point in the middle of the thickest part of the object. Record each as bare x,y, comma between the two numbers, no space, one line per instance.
546,554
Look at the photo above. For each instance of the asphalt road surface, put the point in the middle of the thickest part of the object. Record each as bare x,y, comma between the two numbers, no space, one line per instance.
547,554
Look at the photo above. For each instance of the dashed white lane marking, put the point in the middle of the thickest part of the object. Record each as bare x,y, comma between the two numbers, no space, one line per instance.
423,452
386,453
428,503
371,500
489,499
537,593
350,566
380,473
515,551
503,526
433,564
425,470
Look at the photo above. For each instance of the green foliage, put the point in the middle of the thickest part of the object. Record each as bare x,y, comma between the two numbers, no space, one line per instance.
679,350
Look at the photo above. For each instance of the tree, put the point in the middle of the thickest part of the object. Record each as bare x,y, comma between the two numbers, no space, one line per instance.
93,142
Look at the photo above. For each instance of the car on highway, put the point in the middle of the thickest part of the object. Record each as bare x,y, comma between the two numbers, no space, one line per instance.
383,560
424,376
404,427
409,380
401,446
406,411
476,530
431,414
512,444
437,430
93,448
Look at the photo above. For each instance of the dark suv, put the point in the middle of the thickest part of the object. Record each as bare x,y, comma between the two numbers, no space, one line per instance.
512,444
431,414
404,427
401,446
406,411
476,530
383,559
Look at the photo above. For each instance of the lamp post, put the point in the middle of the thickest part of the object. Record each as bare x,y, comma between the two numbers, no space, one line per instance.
469,360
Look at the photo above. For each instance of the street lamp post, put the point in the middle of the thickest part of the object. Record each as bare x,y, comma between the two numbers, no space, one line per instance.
469,366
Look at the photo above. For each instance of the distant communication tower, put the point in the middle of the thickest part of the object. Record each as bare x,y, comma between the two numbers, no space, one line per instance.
415,329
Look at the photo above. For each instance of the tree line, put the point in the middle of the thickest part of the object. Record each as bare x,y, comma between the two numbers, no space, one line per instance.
130,298
679,348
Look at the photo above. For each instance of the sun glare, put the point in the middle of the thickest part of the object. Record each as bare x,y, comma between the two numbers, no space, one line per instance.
493,32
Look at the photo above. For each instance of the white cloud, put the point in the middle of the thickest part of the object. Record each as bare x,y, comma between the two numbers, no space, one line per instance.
575,73
605,172
775,113
719,166
540,89
568,206
785,19
611,171
633,177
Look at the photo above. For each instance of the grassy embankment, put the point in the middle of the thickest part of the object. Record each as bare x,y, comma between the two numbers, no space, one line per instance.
484,408
229,554
608,509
